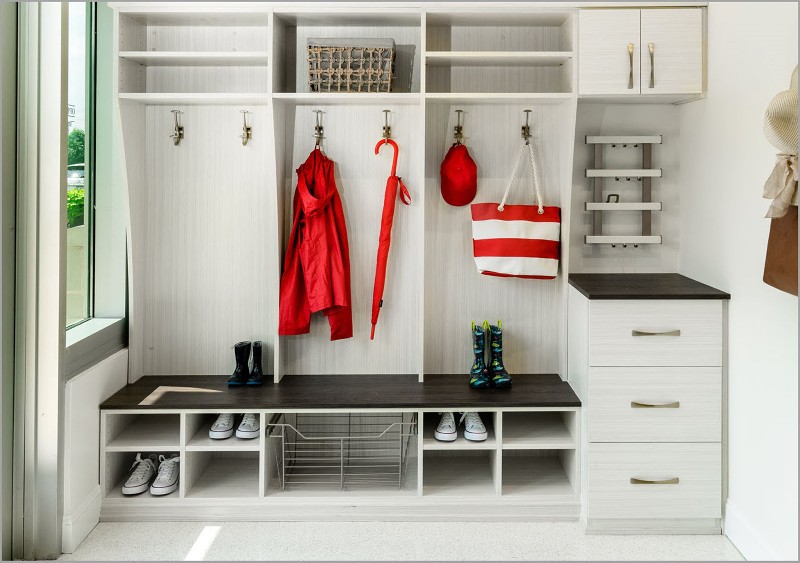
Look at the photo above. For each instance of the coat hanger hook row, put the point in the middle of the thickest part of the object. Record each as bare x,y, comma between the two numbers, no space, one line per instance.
526,129
247,131
318,129
458,130
177,134
387,129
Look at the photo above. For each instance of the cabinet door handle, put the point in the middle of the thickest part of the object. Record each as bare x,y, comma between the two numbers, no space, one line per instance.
638,405
672,481
676,332
630,58
651,47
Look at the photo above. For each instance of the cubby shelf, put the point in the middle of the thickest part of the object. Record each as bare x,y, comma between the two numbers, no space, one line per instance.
196,58
536,431
227,477
458,475
148,433
535,476
431,443
344,98
194,98
495,99
200,442
497,58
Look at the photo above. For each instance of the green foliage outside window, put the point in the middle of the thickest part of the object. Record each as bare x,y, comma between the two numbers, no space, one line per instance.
75,207
76,146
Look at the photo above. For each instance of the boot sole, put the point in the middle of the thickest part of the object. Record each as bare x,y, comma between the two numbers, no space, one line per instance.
235,384
255,383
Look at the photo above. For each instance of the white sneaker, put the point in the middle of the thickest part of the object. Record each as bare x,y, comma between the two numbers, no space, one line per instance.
446,431
142,474
249,427
222,427
167,478
473,427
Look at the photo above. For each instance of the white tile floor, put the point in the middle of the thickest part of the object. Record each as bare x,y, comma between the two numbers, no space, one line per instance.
375,541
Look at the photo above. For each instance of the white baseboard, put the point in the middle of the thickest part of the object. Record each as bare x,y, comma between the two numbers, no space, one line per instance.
746,539
76,525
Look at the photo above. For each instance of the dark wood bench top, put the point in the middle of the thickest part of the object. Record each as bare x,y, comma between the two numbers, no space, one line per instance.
643,286
340,392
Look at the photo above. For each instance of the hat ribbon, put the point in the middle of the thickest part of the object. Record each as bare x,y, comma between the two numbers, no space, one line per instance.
781,186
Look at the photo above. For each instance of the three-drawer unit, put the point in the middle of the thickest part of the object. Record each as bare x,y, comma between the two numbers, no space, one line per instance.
646,358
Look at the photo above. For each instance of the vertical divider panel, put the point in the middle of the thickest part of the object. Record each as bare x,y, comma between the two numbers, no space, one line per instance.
104,487
185,435
497,460
420,452
262,455
421,198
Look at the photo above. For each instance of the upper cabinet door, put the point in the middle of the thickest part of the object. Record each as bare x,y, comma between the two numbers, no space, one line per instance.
608,55
672,51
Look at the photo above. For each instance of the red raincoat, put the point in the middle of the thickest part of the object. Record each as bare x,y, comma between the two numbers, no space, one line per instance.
316,267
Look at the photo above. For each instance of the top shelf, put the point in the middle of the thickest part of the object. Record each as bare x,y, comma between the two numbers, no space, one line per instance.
497,58
623,139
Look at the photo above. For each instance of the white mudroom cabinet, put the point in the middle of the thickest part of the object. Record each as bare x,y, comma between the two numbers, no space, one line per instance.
216,112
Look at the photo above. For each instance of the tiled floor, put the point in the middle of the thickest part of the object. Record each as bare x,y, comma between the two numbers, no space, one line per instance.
374,541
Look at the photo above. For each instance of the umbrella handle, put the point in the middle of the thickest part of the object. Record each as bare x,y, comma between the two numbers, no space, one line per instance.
383,142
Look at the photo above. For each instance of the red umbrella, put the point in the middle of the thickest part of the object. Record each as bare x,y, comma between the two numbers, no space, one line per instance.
385,239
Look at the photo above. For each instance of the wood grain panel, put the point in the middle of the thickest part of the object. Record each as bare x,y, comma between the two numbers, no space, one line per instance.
533,312
223,78
698,391
495,38
677,38
361,180
206,210
612,322
696,495
603,53
207,38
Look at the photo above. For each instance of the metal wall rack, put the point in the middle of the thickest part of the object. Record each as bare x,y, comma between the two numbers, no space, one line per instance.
612,202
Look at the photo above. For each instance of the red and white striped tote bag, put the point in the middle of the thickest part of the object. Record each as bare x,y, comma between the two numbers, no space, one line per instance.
520,241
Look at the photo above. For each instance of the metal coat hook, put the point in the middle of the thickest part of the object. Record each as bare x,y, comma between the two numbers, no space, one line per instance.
526,129
247,131
318,129
458,130
177,135
616,196
387,129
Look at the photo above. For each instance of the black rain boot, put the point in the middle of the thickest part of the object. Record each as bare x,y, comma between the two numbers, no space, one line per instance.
478,373
242,352
500,377
257,374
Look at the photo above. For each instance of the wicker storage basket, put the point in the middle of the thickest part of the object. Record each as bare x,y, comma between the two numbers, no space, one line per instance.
350,65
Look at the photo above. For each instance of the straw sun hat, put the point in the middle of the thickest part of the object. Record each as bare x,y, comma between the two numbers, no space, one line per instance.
780,129
780,121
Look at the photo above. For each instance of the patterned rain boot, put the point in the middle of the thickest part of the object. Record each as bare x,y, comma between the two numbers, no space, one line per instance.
478,373
500,377
257,373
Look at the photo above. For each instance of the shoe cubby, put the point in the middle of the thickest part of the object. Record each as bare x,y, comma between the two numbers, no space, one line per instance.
540,430
182,51
461,473
196,429
221,474
293,29
546,474
116,468
131,432
431,421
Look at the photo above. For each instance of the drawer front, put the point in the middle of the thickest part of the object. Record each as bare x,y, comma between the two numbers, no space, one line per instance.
655,333
655,404
688,481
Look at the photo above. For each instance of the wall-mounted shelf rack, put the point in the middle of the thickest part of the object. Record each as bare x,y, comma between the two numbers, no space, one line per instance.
337,98
196,58
645,175
497,58
194,98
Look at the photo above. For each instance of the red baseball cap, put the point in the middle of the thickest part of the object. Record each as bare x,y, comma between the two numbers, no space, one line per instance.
459,176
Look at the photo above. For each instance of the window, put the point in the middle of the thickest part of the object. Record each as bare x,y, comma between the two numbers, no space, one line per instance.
80,185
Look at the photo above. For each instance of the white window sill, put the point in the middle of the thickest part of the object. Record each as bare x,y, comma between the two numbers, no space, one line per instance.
91,342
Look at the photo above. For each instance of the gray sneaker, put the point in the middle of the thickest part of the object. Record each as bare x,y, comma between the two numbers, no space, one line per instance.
249,427
142,472
222,427
167,478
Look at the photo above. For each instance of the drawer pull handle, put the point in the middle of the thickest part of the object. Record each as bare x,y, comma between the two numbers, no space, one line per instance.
638,405
630,59
673,481
651,47
676,332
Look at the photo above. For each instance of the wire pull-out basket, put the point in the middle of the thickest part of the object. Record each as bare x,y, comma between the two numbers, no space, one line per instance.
350,65
342,451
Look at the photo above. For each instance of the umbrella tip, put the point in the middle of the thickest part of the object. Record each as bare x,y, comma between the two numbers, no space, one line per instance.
372,333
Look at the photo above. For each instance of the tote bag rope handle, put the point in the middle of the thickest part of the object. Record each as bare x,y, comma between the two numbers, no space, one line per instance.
534,178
